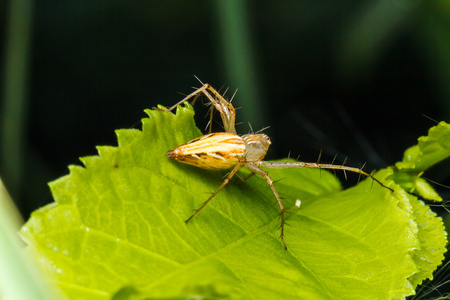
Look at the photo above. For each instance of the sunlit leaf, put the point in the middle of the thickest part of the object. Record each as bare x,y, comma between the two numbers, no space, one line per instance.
117,229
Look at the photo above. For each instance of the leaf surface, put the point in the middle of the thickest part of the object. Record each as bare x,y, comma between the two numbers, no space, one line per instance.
117,229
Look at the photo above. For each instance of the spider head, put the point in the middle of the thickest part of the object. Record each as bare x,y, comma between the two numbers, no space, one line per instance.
256,146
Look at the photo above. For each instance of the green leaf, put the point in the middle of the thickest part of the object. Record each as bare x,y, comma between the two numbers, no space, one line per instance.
117,230
433,240
430,150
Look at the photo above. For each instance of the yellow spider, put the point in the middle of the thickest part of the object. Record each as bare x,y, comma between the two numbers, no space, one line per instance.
224,150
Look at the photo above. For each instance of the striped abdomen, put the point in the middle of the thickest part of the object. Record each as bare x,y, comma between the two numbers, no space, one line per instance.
213,151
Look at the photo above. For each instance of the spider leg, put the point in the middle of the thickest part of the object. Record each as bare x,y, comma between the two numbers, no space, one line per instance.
225,108
269,180
194,94
245,178
224,183
211,114
299,164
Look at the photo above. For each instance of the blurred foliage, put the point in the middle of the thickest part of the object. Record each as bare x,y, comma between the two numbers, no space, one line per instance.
18,275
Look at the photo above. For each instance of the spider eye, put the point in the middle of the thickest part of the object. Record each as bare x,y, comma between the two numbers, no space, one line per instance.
267,139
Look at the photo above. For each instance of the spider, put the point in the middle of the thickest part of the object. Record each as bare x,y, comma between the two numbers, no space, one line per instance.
226,150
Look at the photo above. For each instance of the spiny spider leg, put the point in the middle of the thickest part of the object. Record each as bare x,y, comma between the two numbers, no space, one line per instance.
292,164
225,108
245,178
269,180
224,183
195,93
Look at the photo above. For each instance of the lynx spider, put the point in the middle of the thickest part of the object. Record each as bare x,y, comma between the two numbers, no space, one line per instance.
224,150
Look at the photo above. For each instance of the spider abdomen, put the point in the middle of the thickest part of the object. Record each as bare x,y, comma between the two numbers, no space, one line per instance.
214,151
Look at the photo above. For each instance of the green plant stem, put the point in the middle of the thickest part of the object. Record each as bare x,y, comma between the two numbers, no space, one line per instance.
18,36
18,279
239,60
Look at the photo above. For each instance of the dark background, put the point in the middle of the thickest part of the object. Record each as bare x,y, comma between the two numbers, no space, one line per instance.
352,79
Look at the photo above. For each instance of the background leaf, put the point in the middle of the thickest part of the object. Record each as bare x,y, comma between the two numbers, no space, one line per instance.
431,149
117,228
